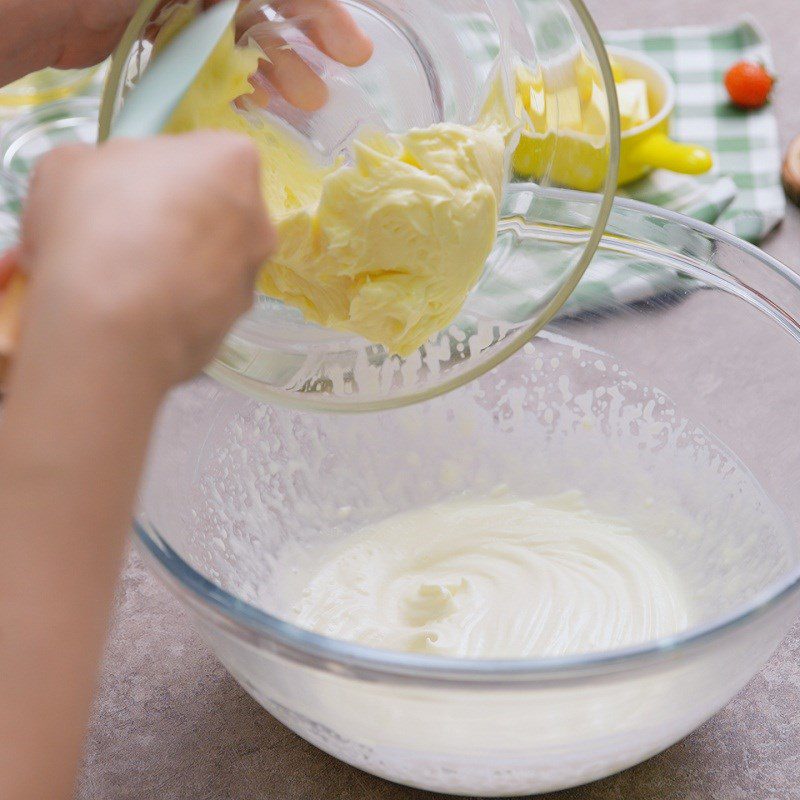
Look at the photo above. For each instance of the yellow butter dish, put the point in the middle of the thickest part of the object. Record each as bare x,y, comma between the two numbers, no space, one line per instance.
647,145
567,136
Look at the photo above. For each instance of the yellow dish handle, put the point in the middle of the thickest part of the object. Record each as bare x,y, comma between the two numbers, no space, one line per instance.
660,151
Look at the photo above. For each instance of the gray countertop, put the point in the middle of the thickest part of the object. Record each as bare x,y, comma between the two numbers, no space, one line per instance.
171,724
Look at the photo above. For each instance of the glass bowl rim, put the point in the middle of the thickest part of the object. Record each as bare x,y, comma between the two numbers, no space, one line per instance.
322,651
11,129
310,402
70,80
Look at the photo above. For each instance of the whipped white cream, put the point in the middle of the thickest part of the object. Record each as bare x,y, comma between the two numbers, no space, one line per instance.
492,577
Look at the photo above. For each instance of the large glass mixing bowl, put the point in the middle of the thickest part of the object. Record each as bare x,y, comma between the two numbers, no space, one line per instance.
433,62
676,401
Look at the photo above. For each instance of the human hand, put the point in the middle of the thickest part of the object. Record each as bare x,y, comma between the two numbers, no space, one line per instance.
159,267
71,34
329,27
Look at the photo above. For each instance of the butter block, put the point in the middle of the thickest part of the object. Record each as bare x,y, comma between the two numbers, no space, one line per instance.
563,109
634,107
595,113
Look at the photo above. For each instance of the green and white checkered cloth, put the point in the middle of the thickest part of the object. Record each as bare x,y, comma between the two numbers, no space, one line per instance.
745,143
742,194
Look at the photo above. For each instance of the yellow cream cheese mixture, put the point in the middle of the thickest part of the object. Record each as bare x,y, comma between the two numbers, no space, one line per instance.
387,246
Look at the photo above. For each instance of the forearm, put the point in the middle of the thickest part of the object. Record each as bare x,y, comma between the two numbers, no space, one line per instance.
30,36
72,442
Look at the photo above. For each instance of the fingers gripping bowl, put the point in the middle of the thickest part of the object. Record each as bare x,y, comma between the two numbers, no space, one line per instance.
433,64
647,408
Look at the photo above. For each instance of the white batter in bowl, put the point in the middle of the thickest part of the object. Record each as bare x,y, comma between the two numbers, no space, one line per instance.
487,577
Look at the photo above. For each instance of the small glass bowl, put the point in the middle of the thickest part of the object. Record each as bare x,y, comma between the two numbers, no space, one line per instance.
45,86
27,137
431,64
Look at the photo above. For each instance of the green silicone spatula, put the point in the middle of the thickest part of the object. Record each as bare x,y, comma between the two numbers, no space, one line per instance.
150,104
148,107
